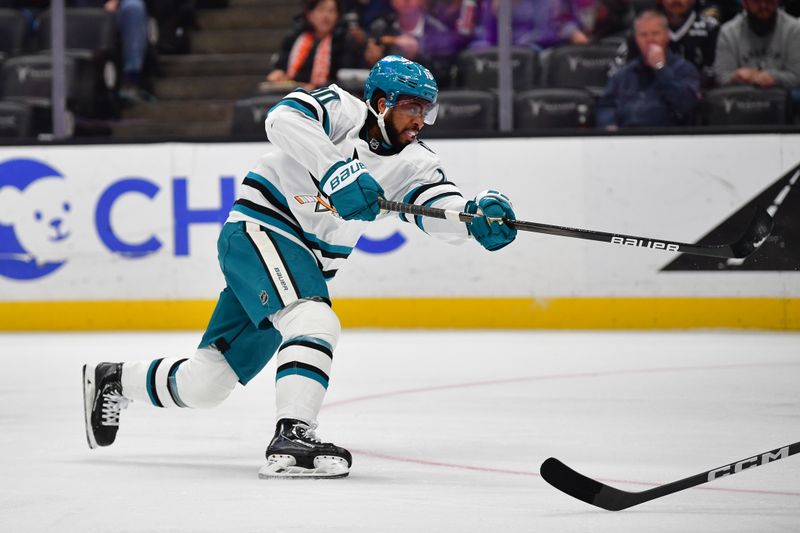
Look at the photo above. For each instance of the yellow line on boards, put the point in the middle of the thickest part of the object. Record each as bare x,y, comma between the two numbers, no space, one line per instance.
433,313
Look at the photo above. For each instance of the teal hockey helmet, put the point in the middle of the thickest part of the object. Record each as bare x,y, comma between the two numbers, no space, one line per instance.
397,76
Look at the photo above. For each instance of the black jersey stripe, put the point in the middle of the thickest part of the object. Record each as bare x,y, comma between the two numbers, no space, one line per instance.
151,382
268,196
308,344
171,386
305,104
422,188
305,366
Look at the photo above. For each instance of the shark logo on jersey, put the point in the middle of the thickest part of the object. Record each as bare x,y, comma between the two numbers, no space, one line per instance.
320,204
35,211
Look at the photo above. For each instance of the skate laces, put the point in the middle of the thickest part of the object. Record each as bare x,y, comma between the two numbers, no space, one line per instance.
309,432
113,403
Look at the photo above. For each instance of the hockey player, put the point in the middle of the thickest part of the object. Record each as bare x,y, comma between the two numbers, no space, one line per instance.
299,215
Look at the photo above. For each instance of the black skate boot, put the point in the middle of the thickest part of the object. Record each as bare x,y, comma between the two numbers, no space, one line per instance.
295,452
102,402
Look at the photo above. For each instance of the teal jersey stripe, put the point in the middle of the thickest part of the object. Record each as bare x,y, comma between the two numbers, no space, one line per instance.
297,107
149,380
266,183
302,372
328,247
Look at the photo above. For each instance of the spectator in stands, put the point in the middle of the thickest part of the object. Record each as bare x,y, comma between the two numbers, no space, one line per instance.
312,54
658,88
536,24
131,18
760,47
692,35
414,34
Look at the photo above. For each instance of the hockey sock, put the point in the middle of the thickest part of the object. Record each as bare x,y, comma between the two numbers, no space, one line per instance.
301,380
203,380
153,381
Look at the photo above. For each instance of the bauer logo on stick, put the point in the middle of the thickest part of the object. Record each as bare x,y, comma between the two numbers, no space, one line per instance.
35,213
643,243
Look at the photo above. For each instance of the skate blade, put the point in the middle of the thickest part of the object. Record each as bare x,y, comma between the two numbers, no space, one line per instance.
284,467
88,403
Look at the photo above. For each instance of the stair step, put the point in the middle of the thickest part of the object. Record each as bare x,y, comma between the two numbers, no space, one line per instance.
215,65
144,129
171,111
237,41
206,88
277,17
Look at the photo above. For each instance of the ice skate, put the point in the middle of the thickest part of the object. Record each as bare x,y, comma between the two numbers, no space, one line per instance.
295,452
102,402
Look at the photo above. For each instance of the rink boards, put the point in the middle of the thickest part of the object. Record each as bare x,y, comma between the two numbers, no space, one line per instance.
135,247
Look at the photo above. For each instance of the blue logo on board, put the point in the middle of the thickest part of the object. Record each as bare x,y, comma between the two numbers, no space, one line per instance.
35,211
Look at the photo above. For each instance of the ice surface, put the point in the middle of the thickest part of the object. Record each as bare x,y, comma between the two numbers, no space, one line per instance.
447,430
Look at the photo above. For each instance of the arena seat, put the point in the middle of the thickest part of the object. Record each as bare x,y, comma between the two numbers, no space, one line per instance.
554,108
579,66
744,105
90,36
466,111
28,79
477,69
16,120
249,115
12,33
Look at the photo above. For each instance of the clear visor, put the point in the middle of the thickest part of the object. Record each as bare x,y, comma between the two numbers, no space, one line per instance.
417,107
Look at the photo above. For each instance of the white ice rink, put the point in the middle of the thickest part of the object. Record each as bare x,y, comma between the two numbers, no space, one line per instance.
447,432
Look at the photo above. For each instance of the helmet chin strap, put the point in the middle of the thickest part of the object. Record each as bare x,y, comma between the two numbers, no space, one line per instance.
381,122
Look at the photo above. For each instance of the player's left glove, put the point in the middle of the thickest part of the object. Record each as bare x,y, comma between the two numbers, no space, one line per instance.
491,234
353,192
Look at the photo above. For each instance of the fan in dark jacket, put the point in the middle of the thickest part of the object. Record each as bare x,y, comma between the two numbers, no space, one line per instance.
657,89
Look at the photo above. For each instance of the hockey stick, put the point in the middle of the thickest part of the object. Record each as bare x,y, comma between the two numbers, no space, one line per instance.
756,233
595,493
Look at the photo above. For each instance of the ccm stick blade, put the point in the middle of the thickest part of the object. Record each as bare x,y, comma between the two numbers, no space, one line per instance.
606,497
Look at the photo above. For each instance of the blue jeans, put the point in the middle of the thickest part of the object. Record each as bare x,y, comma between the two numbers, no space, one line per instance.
132,26
796,102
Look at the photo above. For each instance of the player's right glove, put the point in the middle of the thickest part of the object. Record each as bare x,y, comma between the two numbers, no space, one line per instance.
491,205
352,191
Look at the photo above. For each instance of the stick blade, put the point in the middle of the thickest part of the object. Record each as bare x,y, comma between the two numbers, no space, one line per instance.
584,488
757,232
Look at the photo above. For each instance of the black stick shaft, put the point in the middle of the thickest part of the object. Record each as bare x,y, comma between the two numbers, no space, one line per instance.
607,497
723,471
739,249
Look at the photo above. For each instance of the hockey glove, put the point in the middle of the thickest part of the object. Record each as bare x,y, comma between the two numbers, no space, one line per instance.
491,234
352,191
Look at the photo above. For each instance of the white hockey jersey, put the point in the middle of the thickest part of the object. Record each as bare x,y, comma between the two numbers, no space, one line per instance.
314,131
